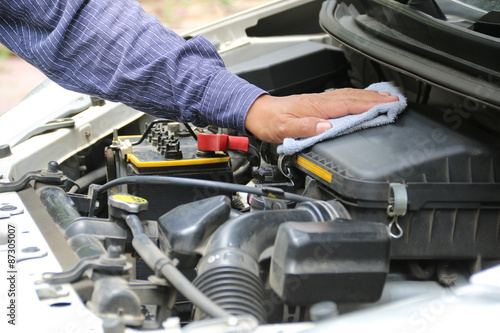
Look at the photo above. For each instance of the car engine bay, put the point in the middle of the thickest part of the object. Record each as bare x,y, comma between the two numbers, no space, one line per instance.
157,225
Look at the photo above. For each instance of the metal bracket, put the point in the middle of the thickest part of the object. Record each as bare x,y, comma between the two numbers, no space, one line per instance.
397,206
86,203
281,166
50,176
102,264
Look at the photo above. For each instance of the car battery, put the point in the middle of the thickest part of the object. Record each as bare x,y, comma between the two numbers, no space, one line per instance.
168,150
437,187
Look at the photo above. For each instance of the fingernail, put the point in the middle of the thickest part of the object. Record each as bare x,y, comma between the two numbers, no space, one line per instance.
385,93
323,127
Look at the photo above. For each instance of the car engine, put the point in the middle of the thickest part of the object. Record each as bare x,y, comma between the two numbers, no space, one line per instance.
160,225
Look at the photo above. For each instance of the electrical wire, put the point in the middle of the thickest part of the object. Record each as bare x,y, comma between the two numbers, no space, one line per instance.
190,130
192,182
148,129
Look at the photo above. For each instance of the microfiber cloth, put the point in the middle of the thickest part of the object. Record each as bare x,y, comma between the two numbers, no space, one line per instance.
378,115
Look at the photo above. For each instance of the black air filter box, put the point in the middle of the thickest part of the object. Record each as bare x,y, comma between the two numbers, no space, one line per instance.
441,177
341,260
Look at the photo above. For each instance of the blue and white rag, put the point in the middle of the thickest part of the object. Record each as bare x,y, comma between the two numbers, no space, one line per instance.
378,115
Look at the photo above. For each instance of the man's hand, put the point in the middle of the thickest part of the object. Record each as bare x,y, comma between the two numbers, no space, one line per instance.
272,119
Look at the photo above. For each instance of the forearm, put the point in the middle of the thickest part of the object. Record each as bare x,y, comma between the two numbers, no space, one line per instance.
112,49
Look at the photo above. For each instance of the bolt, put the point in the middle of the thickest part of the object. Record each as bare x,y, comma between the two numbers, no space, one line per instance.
53,167
114,251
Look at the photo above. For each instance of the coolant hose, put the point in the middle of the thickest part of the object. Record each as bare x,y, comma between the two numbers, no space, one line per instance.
228,273
157,261
64,213
91,177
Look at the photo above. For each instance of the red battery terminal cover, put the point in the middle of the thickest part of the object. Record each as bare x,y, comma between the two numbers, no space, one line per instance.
222,142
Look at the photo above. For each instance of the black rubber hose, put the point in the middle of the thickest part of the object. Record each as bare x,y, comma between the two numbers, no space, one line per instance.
229,271
190,182
254,232
59,206
157,261
64,213
88,179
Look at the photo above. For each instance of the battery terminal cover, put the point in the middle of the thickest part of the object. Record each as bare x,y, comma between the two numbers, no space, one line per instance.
222,142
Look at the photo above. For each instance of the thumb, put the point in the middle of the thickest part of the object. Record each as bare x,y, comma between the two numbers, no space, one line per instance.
307,127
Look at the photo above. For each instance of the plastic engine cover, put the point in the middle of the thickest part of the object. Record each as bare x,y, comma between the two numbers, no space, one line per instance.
341,260
449,173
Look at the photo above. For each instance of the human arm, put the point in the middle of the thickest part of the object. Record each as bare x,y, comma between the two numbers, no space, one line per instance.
112,49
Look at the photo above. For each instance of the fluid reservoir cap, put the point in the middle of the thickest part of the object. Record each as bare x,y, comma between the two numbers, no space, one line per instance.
128,203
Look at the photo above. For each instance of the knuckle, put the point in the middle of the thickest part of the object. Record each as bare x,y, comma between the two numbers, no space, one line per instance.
314,103
304,99
349,91
281,130
346,102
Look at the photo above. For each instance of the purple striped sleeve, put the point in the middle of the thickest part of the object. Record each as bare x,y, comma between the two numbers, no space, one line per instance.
113,49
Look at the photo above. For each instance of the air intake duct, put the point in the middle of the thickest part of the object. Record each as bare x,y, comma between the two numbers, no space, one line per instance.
229,270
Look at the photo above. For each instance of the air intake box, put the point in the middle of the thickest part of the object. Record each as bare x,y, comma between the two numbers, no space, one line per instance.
440,183
341,260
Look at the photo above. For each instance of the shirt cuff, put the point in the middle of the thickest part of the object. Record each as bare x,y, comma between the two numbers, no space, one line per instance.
227,100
